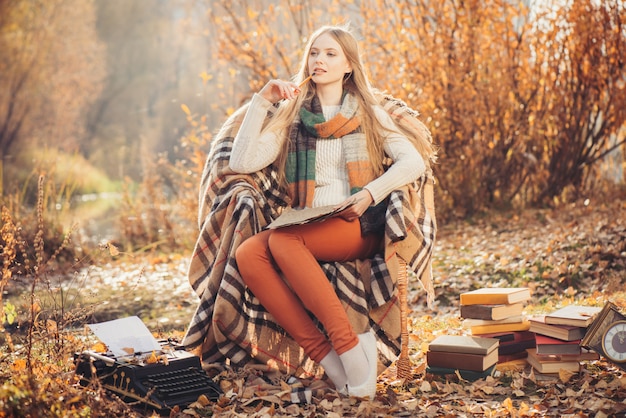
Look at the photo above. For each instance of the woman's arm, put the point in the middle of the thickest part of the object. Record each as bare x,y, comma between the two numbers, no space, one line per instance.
252,151
408,164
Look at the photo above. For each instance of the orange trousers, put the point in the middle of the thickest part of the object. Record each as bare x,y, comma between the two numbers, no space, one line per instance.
295,251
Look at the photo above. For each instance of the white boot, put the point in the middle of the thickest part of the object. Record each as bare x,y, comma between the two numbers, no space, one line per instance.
361,379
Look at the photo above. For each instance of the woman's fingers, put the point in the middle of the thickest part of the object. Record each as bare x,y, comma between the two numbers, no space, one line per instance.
276,90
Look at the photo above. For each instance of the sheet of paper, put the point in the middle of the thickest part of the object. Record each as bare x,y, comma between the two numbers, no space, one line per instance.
126,336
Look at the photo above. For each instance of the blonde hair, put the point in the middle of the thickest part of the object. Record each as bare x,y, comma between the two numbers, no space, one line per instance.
356,83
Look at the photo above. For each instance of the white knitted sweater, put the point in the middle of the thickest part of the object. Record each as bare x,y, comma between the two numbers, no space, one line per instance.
252,152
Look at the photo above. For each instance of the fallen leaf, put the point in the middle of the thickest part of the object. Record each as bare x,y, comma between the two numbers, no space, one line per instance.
99,347
113,251
566,375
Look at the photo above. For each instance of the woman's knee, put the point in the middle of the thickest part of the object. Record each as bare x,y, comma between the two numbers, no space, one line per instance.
281,241
248,250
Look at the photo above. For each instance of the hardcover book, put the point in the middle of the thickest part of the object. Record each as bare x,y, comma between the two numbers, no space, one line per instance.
562,332
495,296
548,345
491,312
465,374
584,355
461,361
511,336
545,364
516,347
463,344
503,337
576,315
489,329
513,342
471,322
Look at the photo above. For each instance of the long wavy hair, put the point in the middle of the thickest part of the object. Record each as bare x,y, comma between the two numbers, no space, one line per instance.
359,85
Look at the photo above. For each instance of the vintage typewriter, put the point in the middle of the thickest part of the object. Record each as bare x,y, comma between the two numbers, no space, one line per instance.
177,379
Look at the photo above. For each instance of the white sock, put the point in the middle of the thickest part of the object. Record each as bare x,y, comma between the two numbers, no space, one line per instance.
355,365
334,370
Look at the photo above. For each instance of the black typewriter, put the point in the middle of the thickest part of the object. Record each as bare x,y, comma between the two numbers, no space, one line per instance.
176,380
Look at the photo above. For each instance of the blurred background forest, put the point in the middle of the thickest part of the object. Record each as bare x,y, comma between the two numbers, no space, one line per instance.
107,107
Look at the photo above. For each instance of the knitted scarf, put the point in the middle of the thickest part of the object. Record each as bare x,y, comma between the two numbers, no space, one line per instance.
311,127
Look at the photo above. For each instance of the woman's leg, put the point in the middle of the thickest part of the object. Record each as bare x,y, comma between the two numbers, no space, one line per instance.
259,273
297,251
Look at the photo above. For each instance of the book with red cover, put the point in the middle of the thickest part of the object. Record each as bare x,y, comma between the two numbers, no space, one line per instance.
562,332
495,296
576,315
548,345
461,361
491,312
513,342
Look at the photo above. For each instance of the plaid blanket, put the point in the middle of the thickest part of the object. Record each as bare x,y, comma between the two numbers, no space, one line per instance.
230,323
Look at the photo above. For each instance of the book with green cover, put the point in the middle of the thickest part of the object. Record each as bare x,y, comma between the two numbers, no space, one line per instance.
469,375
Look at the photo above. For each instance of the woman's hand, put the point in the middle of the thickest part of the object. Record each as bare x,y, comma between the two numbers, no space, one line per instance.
362,200
277,90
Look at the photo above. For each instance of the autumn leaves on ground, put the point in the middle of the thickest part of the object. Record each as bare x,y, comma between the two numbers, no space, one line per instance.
575,254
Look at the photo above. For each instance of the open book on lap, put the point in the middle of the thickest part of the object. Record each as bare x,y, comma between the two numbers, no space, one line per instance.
291,216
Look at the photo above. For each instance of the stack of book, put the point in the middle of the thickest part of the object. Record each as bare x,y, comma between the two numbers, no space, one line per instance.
472,357
558,336
498,313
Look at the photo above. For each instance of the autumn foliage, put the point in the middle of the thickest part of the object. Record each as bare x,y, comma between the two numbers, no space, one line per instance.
523,102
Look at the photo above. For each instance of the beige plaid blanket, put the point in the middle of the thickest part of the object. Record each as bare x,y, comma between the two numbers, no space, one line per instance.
230,323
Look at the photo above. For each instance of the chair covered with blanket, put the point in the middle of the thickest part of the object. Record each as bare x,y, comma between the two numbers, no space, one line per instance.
230,323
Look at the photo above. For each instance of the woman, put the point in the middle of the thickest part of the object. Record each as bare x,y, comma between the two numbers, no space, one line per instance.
329,140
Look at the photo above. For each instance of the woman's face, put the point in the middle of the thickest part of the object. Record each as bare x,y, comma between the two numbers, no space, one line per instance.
328,61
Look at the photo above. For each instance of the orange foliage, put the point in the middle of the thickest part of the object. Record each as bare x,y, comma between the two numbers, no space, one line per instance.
46,84
522,102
